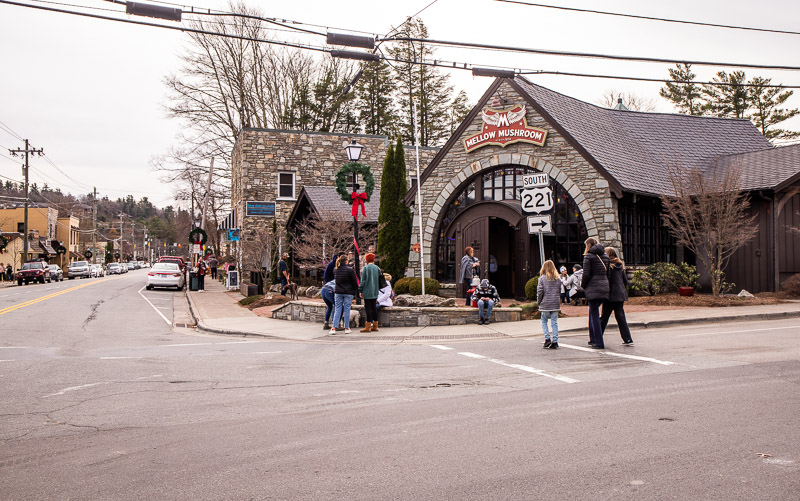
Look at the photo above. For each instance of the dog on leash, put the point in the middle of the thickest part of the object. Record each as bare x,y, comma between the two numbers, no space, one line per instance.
291,291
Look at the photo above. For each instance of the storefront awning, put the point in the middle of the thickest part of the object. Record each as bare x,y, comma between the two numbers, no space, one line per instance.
228,222
46,247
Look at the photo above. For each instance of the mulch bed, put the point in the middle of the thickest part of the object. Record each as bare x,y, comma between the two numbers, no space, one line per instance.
704,300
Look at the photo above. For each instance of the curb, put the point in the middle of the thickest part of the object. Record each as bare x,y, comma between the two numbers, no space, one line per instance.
201,325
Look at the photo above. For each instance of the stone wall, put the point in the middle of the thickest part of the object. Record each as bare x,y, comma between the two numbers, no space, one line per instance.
396,316
557,157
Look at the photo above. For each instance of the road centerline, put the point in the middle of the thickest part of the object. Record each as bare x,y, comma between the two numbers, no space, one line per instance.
615,354
519,367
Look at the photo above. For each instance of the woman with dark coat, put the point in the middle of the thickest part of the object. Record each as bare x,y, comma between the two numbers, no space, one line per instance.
346,289
618,294
595,286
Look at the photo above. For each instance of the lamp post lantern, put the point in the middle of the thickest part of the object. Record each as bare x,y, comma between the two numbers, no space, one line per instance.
353,151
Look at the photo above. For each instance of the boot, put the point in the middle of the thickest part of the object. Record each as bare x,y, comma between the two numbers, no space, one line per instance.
375,327
367,327
326,326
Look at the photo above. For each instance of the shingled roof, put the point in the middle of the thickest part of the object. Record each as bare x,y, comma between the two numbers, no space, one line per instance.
325,201
635,148
771,168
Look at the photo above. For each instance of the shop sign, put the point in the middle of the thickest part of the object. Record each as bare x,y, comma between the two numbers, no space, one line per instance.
259,209
503,127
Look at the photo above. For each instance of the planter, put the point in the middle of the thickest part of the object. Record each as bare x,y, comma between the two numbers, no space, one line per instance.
686,291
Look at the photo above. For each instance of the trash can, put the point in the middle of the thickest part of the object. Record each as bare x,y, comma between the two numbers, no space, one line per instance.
194,282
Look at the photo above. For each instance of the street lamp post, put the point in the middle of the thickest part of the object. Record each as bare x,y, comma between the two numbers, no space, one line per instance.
353,151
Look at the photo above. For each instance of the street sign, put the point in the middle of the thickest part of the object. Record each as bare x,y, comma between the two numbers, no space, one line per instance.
539,224
536,200
196,248
535,180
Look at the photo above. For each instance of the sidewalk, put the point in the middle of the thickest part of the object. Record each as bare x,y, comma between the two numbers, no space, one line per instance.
217,311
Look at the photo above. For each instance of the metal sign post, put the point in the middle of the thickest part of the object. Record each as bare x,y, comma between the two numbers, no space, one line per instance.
536,197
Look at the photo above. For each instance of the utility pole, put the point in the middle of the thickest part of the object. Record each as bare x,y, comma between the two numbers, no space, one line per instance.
26,151
94,226
208,195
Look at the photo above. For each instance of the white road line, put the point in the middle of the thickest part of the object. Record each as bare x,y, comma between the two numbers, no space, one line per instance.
440,347
525,368
7,360
211,344
13,347
741,332
73,388
154,308
615,354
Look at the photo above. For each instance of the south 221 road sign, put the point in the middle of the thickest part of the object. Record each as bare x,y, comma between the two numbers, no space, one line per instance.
536,200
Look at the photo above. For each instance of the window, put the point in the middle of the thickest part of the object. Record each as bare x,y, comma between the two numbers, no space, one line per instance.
645,239
286,185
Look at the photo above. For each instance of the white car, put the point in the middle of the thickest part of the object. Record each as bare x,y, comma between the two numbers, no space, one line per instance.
165,275
98,271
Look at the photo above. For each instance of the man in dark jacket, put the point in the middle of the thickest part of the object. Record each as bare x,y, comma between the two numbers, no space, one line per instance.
328,275
595,286
487,298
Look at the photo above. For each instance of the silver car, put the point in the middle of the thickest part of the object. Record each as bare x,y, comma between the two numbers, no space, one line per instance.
79,269
56,273
98,271
165,275
113,269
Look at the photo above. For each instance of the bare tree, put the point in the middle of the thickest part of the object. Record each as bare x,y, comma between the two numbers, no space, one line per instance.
260,251
316,239
708,213
611,97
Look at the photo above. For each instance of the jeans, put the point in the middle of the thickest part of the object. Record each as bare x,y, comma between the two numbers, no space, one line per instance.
595,329
201,282
329,298
342,303
553,317
619,314
214,273
489,303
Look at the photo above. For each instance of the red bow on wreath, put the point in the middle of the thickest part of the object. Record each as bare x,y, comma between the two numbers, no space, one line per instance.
358,200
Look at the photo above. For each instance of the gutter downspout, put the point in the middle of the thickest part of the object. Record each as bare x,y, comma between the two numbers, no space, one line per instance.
773,246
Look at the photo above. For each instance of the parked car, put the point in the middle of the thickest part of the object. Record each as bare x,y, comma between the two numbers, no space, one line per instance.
56,273
113,269
33,271
174,259
123,267
133,265
79,269
98,271
166,275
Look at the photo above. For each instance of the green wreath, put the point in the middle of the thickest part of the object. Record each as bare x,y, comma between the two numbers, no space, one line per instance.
346,173
61,250
203,236
88,254
3,243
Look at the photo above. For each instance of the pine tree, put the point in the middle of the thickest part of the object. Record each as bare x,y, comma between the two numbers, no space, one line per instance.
682,91
394,218
459,109
728,98
429,89
374,91
765,102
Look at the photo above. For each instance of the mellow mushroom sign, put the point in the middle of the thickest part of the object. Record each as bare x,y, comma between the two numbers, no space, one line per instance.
502,127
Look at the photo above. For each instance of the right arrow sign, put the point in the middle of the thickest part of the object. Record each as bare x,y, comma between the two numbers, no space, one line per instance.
539,224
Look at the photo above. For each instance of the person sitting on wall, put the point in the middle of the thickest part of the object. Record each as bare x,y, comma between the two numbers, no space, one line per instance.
574,283
487,298
385,294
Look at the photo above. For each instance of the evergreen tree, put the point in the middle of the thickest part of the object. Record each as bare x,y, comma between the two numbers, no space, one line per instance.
322,105
374,103
727,98
394,218
459,109
765,102
429,89
682,91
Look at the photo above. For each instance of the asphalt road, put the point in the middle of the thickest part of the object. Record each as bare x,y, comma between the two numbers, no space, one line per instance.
103,399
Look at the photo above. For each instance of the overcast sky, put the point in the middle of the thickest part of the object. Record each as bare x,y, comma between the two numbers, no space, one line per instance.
90,92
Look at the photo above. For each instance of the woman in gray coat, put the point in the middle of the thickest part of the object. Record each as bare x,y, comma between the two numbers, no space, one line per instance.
469,267
548,295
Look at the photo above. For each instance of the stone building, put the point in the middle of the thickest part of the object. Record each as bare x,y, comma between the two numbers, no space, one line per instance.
606,170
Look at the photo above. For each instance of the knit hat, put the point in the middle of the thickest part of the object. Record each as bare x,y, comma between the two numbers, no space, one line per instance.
563,269
370,258
484,283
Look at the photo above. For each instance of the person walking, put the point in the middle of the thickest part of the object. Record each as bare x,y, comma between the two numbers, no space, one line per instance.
283,273
486,297
547,295
9,273
2,272
201,275
213,264
470,267
595,286
369,290
346,288
617,295
329,296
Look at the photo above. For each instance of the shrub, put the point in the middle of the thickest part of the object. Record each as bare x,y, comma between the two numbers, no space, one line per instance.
529,310
792,285
415,287
661,278
641,281
250,299
401,286
530,288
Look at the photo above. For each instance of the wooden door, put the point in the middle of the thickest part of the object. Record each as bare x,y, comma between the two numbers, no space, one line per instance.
476,235
524,267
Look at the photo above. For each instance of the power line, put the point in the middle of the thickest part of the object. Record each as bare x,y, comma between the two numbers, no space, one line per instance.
649,18
7,129
660,80
548,52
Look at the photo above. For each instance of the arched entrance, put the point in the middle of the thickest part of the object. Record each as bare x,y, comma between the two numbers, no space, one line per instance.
485,214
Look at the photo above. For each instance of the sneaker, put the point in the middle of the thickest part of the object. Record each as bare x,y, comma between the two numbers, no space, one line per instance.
332,332
486,322
347,330
627,343
480,321
591,343
547,343
554,346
